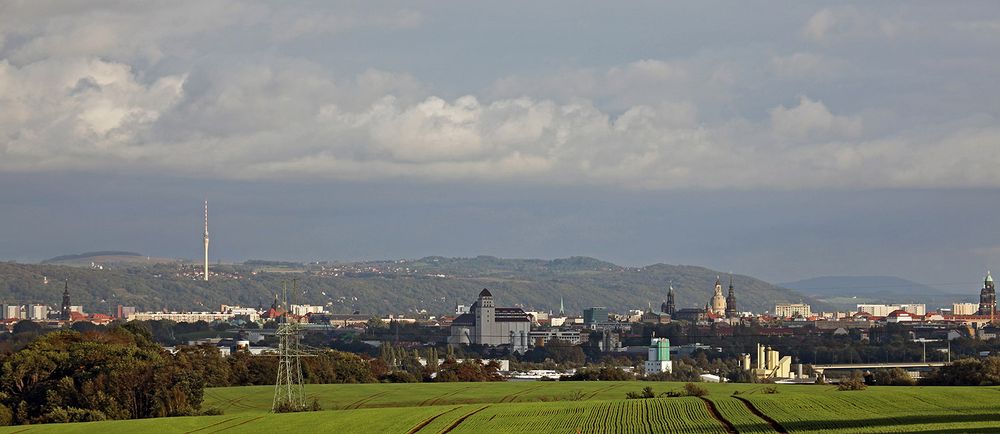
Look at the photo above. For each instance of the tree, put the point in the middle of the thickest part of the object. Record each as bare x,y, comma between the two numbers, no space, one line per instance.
966,372
558,351
452,370
375,323
432,363
893,377
691,389
206,361
855,381
26,326
248,370
333,366
604,373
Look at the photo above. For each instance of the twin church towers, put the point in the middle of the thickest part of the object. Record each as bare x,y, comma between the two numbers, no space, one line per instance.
722,306
718,306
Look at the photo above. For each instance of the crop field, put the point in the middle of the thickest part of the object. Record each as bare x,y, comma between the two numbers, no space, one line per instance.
585,407
884,409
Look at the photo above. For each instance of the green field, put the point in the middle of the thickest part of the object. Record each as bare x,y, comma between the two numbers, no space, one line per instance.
570,407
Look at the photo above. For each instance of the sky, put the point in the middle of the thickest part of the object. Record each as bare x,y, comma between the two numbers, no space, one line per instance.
782,140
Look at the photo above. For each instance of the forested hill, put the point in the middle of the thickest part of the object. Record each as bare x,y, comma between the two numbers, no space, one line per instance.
381,287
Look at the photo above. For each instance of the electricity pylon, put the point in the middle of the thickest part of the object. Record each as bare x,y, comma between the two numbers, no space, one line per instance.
288,391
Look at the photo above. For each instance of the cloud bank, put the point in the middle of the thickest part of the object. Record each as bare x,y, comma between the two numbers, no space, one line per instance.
234,91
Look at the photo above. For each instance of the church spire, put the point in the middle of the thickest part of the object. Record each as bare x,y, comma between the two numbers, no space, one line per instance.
65,314
668,307
731,299
562,310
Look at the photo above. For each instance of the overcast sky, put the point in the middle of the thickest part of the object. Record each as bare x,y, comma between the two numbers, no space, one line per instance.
780,140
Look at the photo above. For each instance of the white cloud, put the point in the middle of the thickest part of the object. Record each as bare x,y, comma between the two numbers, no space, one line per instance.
74,113
101,89
293,120
812,120
618,88
821,24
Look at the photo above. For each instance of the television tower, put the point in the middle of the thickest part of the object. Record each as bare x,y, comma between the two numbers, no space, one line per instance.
206,241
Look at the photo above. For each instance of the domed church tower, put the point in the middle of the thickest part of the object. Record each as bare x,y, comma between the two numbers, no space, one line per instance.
718,303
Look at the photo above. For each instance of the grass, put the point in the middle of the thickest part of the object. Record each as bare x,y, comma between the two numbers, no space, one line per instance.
737,413
569,407
884,409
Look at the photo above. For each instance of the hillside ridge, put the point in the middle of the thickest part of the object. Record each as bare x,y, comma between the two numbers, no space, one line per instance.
434,283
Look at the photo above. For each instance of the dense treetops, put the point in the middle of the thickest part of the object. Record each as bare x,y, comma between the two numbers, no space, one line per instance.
69,376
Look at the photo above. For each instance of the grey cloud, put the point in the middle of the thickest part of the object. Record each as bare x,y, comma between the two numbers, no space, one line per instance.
292,120
136,89
301,22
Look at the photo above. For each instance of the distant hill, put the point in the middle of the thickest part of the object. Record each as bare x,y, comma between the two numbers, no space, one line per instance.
104,257
379,287
848,291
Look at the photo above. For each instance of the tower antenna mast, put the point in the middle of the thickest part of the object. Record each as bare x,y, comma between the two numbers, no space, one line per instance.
206,241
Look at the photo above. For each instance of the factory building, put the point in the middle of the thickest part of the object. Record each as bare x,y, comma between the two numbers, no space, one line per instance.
658,356
487,324
769,364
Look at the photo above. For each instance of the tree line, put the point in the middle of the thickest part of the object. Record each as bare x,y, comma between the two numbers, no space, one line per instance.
121,373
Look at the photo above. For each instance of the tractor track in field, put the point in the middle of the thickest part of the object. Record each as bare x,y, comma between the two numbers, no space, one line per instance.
434,400
459,421
516,395
212,425
416,428
242,423
357,404
753,409
726,424
596,392
234,402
